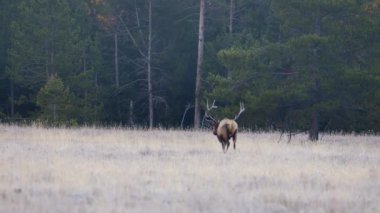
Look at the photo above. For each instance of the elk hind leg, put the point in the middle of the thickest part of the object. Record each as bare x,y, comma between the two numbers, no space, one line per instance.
228,144
223,145
234,136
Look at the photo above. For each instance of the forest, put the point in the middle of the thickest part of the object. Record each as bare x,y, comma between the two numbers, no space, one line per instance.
297,65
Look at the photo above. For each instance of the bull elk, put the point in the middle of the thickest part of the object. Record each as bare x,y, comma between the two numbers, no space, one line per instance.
226,128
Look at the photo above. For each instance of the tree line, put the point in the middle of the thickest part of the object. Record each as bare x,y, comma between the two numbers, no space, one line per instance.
297,65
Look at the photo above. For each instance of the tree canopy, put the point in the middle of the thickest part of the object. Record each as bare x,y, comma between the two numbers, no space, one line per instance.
297,65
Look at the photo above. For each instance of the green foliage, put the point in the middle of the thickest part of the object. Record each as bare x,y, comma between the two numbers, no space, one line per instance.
45,41
54,101
55,38
309,67
284,59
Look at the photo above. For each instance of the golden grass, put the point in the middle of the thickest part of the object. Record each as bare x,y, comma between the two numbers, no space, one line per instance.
121,170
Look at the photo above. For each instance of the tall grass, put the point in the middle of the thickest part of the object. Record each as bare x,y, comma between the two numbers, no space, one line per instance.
124,170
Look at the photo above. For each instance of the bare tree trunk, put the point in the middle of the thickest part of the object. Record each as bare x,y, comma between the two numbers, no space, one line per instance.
189,106
53,70
232,11
314,127
146,56
54,112
117,83
314,124
47,70
197,110
137,15
149,57
84,70
131,123
12,98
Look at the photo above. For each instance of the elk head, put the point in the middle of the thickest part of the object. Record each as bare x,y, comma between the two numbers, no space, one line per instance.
226,128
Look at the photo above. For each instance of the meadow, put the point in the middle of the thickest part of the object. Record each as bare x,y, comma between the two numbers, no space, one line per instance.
92,169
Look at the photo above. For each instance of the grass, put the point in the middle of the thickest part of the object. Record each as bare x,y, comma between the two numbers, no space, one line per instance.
121,170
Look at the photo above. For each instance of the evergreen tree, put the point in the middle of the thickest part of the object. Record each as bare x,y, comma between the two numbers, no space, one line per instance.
54,101
45,41
291,82
298,65
7,13
51,38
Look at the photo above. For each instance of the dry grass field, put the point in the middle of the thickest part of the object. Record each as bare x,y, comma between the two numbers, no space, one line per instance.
121,170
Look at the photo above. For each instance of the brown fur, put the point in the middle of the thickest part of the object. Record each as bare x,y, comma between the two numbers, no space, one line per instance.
225,130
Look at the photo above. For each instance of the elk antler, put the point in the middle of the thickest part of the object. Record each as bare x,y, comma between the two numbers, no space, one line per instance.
241,110
209,109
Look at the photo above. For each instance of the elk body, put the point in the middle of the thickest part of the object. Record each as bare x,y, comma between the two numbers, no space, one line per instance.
226,128
224,131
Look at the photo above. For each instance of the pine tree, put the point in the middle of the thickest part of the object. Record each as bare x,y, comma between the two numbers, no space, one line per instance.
54,101
45,41
291,81
51,38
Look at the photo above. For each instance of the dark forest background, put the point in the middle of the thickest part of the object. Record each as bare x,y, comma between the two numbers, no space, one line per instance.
297,65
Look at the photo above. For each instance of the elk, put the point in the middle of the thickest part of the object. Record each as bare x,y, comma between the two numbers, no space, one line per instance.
226,128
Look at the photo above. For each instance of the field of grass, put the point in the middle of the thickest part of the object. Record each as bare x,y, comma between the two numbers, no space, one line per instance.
121,170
